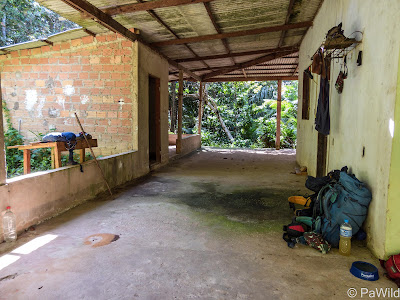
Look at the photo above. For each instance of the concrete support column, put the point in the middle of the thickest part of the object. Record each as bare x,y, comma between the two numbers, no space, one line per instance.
3,174
180,111
201,92
278,116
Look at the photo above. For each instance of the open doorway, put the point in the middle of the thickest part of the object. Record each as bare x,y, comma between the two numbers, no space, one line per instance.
154,121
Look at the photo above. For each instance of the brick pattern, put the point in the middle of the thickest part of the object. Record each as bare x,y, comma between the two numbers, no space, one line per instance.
43,87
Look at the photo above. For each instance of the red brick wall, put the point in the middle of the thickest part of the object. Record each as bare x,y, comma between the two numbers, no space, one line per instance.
44,86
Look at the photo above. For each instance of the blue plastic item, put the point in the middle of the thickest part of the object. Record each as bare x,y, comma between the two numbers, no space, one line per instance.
364,270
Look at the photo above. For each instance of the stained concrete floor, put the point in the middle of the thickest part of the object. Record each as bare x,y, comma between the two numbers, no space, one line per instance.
207,226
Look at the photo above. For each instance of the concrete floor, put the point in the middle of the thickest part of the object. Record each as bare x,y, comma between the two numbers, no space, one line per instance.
208,226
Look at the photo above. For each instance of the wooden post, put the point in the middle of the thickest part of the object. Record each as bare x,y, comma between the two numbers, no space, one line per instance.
180,111
57,158
3,172
53,166
27,161
201,92
82,155
278,116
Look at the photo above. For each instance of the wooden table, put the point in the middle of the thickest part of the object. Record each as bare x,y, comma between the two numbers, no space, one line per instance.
56,149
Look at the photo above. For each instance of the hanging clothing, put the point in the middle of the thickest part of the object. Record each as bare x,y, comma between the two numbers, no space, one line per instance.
322,118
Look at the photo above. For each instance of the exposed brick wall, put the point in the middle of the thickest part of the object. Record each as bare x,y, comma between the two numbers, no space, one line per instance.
43,87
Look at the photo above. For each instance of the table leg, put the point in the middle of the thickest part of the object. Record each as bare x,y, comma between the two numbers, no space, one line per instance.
27,161
57,158
52,157
82,155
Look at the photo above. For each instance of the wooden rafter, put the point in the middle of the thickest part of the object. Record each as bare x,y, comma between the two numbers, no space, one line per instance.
217,29
89,32
273,67
102,18
153,14
108,22
47,42
247,53
274,73
135,7
220,36
244,65
289,12
295,70
251,78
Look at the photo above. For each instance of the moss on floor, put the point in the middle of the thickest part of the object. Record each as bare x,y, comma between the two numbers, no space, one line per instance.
251,209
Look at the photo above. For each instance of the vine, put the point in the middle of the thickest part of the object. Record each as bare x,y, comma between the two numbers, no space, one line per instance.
40,158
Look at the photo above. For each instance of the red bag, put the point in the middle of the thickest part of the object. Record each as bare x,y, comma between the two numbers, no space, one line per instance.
392,266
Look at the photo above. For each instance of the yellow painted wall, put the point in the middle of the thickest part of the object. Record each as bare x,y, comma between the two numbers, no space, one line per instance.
147,62
360,115
392,245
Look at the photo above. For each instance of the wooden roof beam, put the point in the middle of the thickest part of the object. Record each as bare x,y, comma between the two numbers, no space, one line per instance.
220,36
135,7
251,78
289,12
295,70
102,18
108,22
273,67
244,65
153,14
255,52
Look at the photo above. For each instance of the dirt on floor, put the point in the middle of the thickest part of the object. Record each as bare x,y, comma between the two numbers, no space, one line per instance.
207,226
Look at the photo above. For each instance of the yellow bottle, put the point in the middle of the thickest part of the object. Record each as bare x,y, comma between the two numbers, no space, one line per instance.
345,238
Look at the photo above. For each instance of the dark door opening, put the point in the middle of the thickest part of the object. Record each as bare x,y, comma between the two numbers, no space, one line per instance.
154,121
321,155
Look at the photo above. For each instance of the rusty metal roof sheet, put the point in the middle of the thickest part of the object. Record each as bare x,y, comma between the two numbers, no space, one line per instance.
196,20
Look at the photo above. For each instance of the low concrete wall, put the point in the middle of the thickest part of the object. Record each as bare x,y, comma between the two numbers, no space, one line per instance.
172,139
190,142
36,197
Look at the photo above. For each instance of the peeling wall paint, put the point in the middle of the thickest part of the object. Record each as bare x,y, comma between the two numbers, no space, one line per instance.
30,99
61,101
89,76
84,99
40,106
69,90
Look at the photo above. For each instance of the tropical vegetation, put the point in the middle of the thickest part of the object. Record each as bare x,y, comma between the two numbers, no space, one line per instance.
238,114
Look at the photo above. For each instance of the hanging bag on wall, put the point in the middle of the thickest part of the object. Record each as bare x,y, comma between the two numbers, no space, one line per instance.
318,62
341,77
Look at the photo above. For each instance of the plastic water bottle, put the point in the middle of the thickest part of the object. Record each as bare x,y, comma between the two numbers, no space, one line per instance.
345,238
9,226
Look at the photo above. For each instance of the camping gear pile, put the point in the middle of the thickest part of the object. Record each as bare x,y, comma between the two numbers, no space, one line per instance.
337,196
392,267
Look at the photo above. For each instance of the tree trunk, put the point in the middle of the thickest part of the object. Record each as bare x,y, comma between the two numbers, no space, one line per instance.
4,31
214,108
173,107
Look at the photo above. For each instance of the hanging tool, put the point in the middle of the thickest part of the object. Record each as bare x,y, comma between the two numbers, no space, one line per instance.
94,156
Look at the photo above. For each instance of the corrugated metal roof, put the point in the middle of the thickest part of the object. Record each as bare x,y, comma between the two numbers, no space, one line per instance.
59,37
192,20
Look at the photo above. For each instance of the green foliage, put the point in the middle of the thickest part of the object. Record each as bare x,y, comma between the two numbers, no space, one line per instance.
248,110
40,158
25,20
14,157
